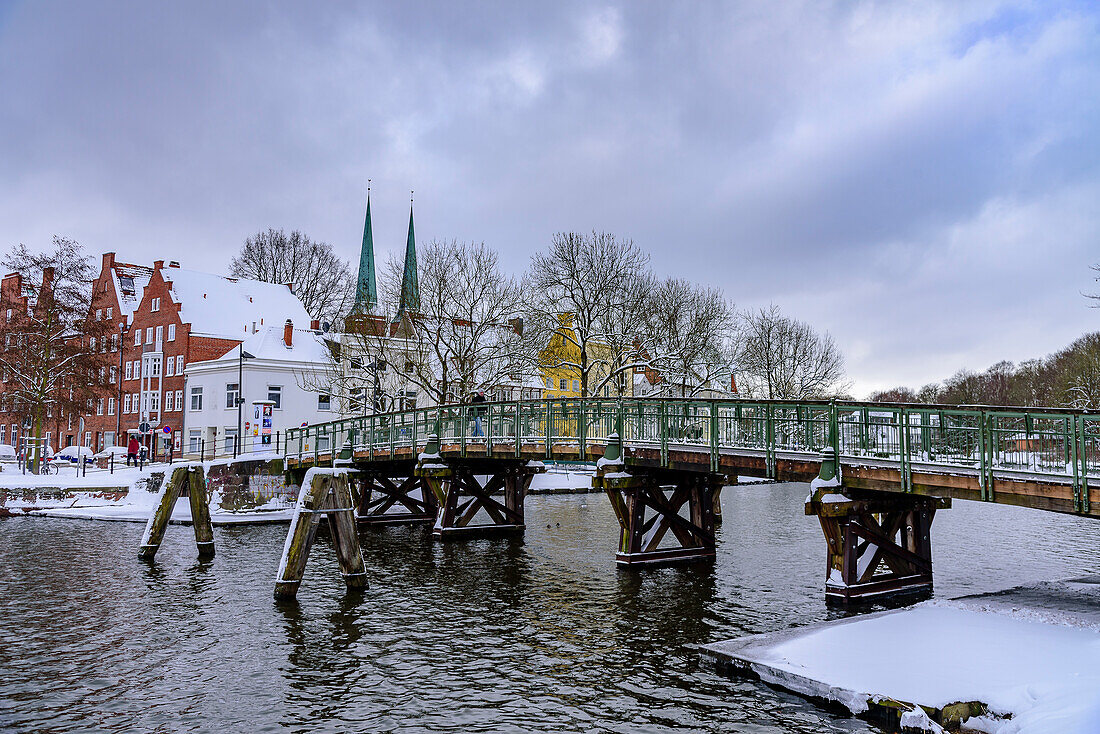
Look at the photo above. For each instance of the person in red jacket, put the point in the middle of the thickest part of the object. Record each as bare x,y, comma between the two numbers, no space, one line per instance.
132,450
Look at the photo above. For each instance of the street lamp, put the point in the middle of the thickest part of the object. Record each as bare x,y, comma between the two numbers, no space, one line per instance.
241,357
122,330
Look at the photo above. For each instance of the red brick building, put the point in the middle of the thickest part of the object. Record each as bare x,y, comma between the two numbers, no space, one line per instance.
162,318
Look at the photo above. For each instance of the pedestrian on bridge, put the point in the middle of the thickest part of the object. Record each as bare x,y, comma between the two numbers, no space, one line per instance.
477,412
133,447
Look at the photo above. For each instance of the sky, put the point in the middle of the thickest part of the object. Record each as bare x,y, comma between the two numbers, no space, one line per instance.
919,179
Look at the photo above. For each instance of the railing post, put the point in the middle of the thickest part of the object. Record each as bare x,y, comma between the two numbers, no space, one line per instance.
1083,450
549,406
769,441
834,432
663,428
582,428
714,435
904,451
986,452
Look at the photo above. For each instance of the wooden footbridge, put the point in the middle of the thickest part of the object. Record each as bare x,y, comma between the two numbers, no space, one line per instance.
878,473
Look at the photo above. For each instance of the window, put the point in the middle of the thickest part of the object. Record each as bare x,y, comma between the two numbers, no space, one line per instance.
114,374
155,305
3,433
179,399
576,385
170,367
114,342
230,439
99,314
137,337
324,402
275,395
154,402
99,407
110,406
193,438
126,403
9,315
137,403
196,398
171,332
549,383
149,335
91,343
87,438
564,384
179,364
232,392
154,368
110,313
160,334
169,401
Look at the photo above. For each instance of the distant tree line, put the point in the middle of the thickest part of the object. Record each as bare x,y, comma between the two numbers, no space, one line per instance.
1070,376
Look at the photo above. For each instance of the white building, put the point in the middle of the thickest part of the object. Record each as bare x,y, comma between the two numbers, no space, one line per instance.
285,366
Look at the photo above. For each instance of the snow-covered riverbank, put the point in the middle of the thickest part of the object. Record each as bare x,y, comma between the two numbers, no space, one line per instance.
1031,655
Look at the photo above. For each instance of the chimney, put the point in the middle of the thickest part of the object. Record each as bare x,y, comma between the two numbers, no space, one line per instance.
158,264
315,325
290,286
733,384
288,333
108,260
173,263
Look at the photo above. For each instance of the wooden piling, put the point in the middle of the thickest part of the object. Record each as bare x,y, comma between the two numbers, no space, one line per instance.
324,492
200,512
193,478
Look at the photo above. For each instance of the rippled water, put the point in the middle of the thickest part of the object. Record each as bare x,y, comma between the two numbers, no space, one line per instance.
533,634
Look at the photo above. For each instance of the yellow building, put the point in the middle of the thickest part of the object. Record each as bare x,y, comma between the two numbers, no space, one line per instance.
562,378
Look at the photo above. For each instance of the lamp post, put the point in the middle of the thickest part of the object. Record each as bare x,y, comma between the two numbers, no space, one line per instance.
241,357
122,330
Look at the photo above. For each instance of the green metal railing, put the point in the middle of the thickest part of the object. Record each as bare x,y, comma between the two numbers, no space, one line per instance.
1044,443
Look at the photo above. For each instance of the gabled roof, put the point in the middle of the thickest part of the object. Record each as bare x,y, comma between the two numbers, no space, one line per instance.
129,282
230,308
267,344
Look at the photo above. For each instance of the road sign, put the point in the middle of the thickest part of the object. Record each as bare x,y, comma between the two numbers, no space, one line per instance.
167,429
143,427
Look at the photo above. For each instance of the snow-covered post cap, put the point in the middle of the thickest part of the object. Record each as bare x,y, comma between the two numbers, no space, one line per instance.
431,450
612,455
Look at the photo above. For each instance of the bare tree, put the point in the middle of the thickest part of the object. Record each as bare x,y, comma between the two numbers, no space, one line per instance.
589,297
53,359
321,280
467,334
691,332
786,359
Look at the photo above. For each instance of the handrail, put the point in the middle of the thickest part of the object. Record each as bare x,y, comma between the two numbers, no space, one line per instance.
1044,442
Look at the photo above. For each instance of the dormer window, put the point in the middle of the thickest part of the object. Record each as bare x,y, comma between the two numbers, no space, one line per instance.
127,284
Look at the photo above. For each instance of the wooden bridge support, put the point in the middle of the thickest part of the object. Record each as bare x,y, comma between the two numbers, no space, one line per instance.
879,544
324,492
189,478
380,494
461,496
652,504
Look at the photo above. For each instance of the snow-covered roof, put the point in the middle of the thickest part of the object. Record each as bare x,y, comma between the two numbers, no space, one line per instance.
130,282
230,308
267,343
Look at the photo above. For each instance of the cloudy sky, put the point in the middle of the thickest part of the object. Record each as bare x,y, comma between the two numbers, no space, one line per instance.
922,180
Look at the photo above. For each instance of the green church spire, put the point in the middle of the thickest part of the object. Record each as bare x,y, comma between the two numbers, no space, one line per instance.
366,291
410,286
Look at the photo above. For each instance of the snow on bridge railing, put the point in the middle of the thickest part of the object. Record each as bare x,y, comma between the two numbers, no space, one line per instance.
1045,442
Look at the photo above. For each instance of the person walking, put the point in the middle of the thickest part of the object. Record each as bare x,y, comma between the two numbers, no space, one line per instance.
133,448
478,411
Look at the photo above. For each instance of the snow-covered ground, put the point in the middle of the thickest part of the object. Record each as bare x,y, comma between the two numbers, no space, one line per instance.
123,495
1032,655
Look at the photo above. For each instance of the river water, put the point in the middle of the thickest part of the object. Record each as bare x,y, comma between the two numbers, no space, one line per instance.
541,633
